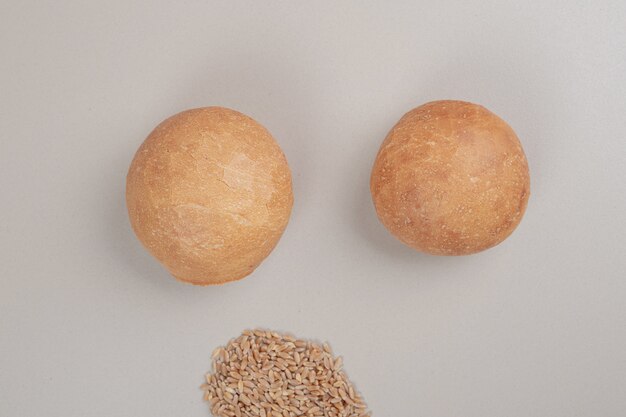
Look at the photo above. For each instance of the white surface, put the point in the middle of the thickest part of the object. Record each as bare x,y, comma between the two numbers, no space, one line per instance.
91,325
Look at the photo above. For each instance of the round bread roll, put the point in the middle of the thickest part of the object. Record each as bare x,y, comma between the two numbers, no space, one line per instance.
209,195
451,178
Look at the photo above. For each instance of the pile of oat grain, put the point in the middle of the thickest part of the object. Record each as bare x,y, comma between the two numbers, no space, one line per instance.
266,374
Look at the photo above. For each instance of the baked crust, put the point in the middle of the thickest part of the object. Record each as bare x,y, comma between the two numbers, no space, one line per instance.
209,195
451,178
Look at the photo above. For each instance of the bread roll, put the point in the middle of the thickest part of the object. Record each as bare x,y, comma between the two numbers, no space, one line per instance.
451,178
209,195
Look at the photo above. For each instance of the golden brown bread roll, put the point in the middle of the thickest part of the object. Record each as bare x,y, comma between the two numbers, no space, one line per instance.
209,195
451,178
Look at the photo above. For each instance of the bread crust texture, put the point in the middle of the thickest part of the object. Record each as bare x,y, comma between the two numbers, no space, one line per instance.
450,178
209,195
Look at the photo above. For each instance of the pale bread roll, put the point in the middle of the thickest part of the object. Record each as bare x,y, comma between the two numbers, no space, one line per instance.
209,195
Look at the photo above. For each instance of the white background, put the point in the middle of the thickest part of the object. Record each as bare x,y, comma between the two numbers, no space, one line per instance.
91,325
